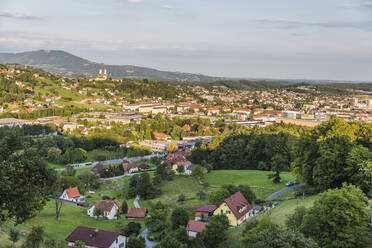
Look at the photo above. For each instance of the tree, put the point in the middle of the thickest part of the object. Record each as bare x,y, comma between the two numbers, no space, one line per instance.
98,212
35,238
54,154
170,242
338,218
29,180
172,148
131,228
201,195
265,234
179,218
69,171
136,242
181,198
294,221
197,172
79,244
13,236
215,234
180,169
124,207
218,196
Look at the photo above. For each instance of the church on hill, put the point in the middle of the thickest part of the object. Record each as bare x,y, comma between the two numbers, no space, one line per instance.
102,75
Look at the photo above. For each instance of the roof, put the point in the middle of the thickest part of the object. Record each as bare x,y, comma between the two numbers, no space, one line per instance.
196,226
207,208
238,204
98,168
161,135
93,237
72,192
106,205
129,166
136,212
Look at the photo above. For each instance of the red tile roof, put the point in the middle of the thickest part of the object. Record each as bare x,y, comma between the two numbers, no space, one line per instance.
238,204
196,226
72,192
93,237
136,212
106,205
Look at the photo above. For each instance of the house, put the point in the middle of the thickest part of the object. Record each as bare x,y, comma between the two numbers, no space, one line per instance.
98,168
129,167
161,136
96,238
143,167
110,209
205,212
236,208
195,227
71,194
187,165
136,213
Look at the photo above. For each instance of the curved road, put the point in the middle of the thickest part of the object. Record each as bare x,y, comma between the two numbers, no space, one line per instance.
144,233
282,191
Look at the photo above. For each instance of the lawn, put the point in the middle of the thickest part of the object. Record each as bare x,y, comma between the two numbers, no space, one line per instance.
257,180
71,217
182,185
280,213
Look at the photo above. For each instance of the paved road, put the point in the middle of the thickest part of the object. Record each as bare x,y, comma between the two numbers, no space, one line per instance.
282,191
111,162
144,233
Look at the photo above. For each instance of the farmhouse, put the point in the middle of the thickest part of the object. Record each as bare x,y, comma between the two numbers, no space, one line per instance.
236,208
195,227
136,213
129,167
109,208
71,194
95,238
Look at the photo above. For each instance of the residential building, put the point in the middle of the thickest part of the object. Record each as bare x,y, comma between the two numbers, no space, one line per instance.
136,213
96,238
205,212
109,208
194,227
71,194
236,208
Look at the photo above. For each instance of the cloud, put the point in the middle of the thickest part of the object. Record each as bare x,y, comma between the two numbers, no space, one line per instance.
135,1
358,5
295,24
17,15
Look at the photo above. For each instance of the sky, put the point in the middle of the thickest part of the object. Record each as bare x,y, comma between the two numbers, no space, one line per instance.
289,39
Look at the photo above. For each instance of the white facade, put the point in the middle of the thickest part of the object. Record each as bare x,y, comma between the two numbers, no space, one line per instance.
112,215
65,197
191,234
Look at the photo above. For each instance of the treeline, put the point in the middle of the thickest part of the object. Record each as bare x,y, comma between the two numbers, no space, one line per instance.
324,157
40,113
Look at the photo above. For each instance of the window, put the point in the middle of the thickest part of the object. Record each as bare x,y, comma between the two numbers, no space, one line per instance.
121,245
228,212
221,211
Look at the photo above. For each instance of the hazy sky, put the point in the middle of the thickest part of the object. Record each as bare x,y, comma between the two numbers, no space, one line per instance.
313,39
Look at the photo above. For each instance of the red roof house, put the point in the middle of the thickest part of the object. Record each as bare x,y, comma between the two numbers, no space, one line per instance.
136,213
195,227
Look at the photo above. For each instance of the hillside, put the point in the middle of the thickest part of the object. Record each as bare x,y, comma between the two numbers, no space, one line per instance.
66,64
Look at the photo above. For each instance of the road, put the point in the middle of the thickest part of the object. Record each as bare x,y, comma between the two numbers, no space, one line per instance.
282,191
144,233
111,162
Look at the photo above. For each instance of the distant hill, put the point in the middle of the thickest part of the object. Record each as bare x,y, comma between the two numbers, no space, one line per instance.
66,64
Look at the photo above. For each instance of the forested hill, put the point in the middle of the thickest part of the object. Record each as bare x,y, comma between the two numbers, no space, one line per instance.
66,64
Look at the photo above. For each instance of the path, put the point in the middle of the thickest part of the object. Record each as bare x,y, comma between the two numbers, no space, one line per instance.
144,233
282,191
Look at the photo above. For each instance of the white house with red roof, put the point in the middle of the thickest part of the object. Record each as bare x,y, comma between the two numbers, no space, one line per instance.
71,194
109,208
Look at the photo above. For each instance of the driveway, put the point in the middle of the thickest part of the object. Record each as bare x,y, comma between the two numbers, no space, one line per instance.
282,191
144,233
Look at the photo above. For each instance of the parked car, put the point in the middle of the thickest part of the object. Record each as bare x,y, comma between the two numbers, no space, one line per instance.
289,184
